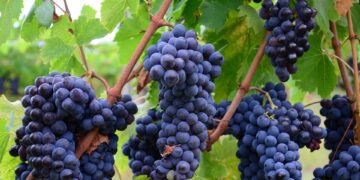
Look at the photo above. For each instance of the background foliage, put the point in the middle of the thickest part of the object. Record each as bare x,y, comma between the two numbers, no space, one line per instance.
46,40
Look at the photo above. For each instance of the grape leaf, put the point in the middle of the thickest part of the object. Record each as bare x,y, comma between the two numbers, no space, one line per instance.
238,43
44,13
12,112
87,27
131,32
178,8
220,162
355,14
31,28
55,48
8,163
10,119
191,12
315,70
152,97
252,18
62,30
70,64
214,12
326,12
113,11
9,10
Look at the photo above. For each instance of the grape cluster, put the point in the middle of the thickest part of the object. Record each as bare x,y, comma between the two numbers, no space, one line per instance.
347,166
109,117
338,115
99,164
56,107
185,70
270,135
301,124
289,33
141,149
344,162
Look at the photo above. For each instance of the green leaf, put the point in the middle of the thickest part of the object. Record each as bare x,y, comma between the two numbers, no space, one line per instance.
220,162
44,13
295,94
71,65
252,19
142,177
62,30
238,43
8,163
87,27
10,10
31,29
152,97
130,33
325,12
55,48
10,119
191,12
214,12
113,11
315,70
355,14
178,8
12,112
88,12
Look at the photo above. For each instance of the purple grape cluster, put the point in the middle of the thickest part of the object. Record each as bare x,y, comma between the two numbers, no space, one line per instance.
99,164
141,149
344,162
301,124
56,110
185,71
272,134
289,33
338,115
347,166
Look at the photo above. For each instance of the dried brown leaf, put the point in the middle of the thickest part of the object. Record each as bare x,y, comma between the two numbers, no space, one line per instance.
143,80
343,6
98,139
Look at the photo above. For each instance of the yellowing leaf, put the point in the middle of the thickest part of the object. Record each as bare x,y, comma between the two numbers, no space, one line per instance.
343,6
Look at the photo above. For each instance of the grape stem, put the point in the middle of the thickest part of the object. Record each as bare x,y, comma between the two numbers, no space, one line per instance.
92,74
156,22
242,90
115,92
267,96
136,72
57,5
312,103
339,59
352,38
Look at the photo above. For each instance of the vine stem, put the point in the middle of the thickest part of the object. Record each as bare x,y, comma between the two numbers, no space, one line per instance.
352,38
156,22
337,48
344,75
115,92
243,89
